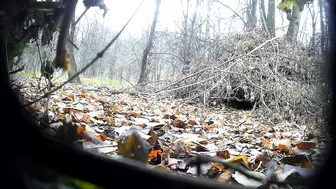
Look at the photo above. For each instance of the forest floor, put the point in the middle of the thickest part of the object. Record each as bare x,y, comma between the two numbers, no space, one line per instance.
167,137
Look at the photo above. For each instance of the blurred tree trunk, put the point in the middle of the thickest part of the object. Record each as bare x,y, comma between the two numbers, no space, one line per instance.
262,7
251,15
71,49
312,43
143,74
270,20
294,24
322,45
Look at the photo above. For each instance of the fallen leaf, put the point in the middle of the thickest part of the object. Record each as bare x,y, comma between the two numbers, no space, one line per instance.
102,136
306,145
84,94
71,97
86,118
81,131
134,147
179,124
155,156
177,111
192,122
110,121
215,169
226,176
99,117
132,114
223,154
282,148
266,143
203,142
238,159
61,116
297,160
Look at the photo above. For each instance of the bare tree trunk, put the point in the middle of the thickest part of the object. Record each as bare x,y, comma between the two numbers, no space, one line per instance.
322,28
270,20
143,74
71,49
313,40
262,7
294,24
251,15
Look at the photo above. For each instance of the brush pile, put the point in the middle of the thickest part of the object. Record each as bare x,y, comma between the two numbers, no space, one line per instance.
272,77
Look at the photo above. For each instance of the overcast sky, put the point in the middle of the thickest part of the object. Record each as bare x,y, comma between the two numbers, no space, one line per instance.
170,11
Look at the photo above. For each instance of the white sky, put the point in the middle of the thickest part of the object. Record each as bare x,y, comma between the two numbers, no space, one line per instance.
121,10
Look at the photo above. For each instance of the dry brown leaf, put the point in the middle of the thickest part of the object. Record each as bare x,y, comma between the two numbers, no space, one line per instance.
84,94
99,117
81,131
110,121
223,154
141,125
86,118
226,176
177,111
67,110
208,127
179,124
102,136
204,142
126,123
122,102
173,117
306,145
215,169
283,148
192,122
71,97
266,143
132,114
61,116
297,160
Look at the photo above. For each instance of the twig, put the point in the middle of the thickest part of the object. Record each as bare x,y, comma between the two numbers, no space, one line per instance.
99,55
127,80
18,70
274,38
78,19
73,44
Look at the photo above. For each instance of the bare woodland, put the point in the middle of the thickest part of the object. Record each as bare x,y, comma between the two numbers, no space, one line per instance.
245,61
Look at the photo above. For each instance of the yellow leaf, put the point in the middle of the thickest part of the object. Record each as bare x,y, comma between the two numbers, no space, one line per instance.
177,111
239,159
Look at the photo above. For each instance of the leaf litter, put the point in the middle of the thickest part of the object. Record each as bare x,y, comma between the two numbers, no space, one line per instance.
168,137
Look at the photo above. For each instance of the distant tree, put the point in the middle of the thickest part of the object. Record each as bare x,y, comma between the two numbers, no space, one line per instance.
270,20
143,74
73,65
251,14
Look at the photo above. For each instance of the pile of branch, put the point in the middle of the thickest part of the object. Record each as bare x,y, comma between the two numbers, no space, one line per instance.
281,80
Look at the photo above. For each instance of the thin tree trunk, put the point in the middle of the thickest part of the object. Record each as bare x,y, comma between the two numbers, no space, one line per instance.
143,74
322,28
252,15
294,25
270,20
71,49
262,7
